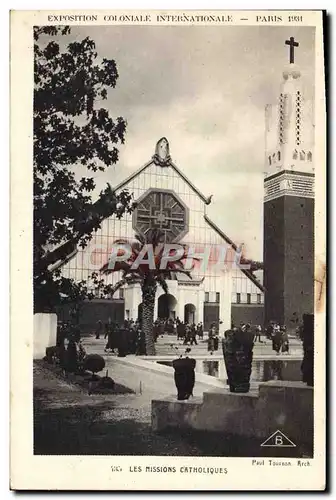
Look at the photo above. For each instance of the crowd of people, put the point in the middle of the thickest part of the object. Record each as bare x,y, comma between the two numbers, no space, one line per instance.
188,332
279,336
128,337
274,331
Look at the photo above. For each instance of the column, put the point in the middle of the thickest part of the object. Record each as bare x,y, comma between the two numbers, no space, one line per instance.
180,304
200,305
225,302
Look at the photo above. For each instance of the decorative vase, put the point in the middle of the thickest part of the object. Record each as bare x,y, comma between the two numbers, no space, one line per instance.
238,354
184,377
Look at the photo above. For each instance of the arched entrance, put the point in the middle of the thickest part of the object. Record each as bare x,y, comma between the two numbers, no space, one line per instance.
166,306
189,313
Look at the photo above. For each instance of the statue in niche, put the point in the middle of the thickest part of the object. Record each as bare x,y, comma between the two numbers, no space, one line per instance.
162,156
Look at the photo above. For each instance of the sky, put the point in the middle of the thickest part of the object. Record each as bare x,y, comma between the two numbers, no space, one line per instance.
205,89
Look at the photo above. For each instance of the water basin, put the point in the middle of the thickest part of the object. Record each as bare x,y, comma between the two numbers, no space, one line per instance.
262,370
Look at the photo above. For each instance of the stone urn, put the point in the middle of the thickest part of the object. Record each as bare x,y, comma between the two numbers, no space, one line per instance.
184,376
238,354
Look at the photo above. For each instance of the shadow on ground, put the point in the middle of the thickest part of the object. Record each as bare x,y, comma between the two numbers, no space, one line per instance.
104,428
97,428
69,421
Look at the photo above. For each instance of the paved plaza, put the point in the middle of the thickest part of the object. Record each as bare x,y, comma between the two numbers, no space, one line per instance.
69,421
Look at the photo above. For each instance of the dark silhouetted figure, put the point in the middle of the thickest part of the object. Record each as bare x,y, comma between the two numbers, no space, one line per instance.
99,330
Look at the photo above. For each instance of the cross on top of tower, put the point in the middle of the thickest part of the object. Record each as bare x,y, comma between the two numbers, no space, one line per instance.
292,43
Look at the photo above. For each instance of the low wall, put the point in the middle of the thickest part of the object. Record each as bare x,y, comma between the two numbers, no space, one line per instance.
279,405
45,331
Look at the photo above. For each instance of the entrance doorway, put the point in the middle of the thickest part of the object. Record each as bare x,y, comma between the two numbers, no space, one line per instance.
189,313
166,306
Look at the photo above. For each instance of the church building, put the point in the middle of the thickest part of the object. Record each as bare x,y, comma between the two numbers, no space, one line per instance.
166,199
289,201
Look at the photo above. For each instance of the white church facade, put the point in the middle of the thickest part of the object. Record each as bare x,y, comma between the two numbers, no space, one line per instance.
167,199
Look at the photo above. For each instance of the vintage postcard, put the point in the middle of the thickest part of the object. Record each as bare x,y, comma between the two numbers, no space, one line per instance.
168,272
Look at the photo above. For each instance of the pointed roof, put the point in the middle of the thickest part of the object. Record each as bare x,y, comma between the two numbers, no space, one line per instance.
164,160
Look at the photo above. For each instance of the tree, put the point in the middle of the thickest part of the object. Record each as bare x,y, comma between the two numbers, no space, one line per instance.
148,278
73,138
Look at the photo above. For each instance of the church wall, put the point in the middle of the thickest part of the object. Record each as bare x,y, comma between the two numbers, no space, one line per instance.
243,313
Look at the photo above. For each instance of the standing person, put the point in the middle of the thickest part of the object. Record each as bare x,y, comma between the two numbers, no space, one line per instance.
187,335
284,340
99,329
111,340
269,330
276,339
179,331
141,345
211,340
107,328
200,330
71,357
257,335
81,354
161,328
193,335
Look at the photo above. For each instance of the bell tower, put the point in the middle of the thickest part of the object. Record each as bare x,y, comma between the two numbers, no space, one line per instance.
289,201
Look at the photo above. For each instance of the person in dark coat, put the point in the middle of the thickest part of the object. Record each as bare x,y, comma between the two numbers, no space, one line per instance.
284,340
141,343
180,330
269,330
211,338
257,334
71,357
193,335
200,330
276,339
184,377
111,337
99,329
187,335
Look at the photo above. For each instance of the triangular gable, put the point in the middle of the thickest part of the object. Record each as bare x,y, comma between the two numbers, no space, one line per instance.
131,177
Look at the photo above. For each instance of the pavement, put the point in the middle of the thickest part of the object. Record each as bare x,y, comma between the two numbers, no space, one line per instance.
69,421
167,347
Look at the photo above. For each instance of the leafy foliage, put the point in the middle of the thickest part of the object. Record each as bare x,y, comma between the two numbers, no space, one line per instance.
147,278
94,363
73,139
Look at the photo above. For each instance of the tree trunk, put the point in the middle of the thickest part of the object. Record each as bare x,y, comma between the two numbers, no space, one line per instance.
148,302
